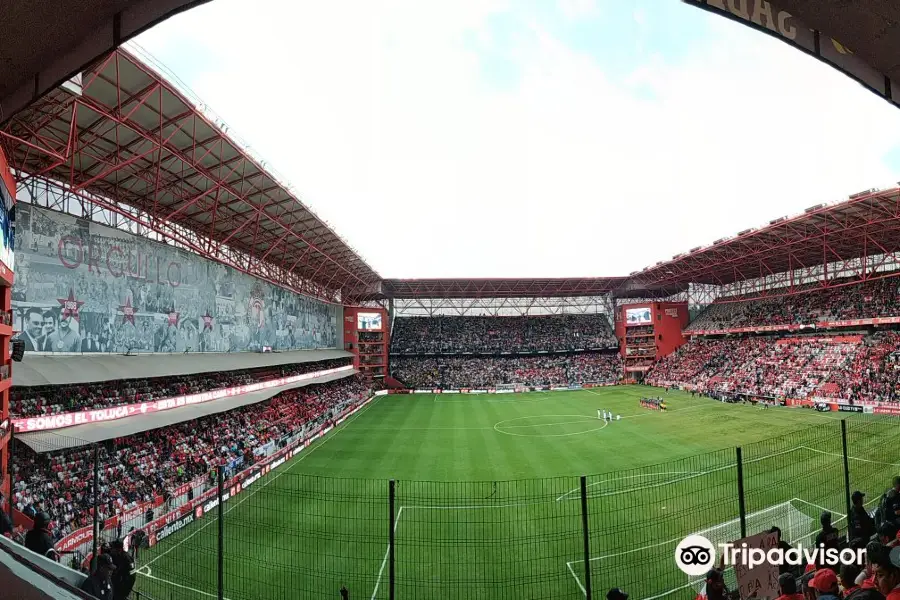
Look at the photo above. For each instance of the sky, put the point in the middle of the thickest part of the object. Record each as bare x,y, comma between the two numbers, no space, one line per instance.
535,138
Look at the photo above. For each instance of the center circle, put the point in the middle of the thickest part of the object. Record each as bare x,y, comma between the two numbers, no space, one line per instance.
550,425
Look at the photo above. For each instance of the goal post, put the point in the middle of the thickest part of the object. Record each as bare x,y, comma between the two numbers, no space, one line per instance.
795,527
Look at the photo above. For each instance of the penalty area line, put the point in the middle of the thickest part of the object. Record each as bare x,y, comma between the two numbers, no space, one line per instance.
293,464
387,553
577,580
178,585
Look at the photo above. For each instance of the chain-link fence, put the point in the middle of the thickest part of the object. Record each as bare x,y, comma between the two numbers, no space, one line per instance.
268,533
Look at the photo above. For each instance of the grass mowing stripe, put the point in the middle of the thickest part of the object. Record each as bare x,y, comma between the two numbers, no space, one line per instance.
264,485
479,516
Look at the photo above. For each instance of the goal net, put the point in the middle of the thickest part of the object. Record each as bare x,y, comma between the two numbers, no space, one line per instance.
794,524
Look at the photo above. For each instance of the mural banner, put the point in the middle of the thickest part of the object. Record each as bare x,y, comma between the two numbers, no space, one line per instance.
85,287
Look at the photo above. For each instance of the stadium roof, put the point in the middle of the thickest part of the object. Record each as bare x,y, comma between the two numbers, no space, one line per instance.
499,288
865,225
871,28
67,369
124,135
860,38
130,137
81,435
45,43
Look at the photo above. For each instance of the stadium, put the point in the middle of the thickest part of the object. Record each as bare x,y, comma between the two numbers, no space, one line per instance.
204,382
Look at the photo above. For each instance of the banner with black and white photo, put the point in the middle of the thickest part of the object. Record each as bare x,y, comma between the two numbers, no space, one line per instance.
85,287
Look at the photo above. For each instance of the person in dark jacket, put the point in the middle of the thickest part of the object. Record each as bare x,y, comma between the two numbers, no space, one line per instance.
6,525
784,547
38,539
861,524
99,584
829,536
124,577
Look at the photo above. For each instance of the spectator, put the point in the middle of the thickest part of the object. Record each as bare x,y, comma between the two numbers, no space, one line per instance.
852,590
6,526
34,401
715,585
123,578
828,536
887,571
99,583
892,502
616,594
38,539
489,335
784,547
787,584
887,534
880,298
861,525
825,584
140,469
479,372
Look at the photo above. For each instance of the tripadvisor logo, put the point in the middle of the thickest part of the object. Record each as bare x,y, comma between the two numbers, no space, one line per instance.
695,555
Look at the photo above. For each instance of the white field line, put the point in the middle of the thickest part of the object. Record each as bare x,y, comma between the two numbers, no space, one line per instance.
475,506
874,462
813,504
626,552
676,480
336,431
387,553
178,585
578,581
589,391
424,428
588,417
570,563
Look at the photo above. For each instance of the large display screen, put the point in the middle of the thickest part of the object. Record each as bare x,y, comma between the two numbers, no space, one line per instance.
638,316
368,321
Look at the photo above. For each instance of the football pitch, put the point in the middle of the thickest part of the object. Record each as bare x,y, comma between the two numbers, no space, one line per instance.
487,497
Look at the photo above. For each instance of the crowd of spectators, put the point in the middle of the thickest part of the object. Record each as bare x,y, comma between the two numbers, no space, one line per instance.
453,335
871,374
482,372
848,367
138,468
31,401
879,298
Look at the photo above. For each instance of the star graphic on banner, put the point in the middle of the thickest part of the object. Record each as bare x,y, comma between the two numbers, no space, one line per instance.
127,312
207,321
70,306
173,318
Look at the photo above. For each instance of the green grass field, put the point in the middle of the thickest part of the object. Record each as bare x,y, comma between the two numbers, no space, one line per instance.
487,499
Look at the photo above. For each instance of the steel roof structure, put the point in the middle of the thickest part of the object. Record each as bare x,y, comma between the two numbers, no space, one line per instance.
859,237
131,138
132,143
499,288
45,43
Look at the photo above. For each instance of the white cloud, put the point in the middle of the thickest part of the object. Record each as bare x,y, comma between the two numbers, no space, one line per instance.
640,17
381,115
578,9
